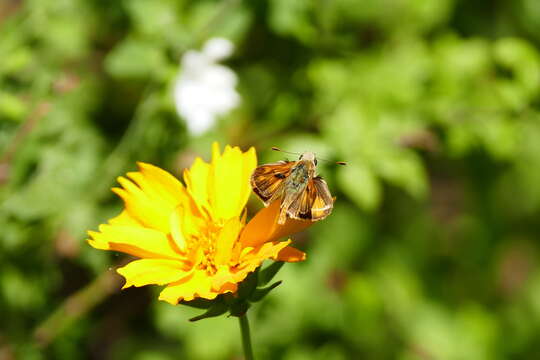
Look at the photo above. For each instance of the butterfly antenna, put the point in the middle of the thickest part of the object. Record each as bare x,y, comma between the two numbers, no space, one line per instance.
284,151
337,162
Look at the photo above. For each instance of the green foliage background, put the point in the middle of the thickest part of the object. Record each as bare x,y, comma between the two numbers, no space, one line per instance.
432,249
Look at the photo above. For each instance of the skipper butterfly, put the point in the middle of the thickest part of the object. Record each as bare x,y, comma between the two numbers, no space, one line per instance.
303,194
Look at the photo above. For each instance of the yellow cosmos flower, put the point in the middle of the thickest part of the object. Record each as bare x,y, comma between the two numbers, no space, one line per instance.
194,238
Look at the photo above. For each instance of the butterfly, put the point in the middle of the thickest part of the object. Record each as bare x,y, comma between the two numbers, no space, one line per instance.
303,194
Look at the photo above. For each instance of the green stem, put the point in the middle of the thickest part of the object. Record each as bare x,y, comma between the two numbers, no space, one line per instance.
246,337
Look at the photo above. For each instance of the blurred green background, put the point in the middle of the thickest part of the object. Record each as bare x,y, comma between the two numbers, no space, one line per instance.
432,249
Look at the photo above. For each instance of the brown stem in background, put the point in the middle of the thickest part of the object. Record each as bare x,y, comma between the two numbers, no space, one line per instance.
9,8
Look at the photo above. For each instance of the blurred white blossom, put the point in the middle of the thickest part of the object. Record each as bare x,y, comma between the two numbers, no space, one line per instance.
205,89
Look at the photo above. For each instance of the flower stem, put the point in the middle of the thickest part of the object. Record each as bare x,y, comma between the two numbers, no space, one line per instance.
246,337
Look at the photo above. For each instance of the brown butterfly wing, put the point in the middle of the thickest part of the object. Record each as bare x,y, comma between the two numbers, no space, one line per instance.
267,180
314,204
323,203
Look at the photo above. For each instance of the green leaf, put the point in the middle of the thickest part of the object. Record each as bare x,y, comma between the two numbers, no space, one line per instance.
218,308
12,107
135,58
259,294
293,18
153,17
360,184
199,303
246,287
267,274
522,59
405,170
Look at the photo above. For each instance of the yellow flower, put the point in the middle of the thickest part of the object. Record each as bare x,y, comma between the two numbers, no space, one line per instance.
194,238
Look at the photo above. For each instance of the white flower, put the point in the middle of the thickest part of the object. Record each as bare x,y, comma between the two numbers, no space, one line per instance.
205,89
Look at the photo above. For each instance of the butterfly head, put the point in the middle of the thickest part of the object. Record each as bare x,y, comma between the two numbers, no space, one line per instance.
308,156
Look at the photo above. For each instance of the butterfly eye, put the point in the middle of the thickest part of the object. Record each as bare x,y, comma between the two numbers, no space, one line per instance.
315,162
301,157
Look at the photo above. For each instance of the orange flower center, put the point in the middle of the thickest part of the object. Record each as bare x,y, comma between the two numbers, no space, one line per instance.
204,244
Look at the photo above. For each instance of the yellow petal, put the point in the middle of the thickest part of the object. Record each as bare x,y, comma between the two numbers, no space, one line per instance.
269,250
141,207
198,284
250,163
216,154
227,288
124,219
254,258
290,254
226,240
159,198
176,230
229,186
221,277
151,195
226,182
137,241
166,185
153,271
264,227
196,179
